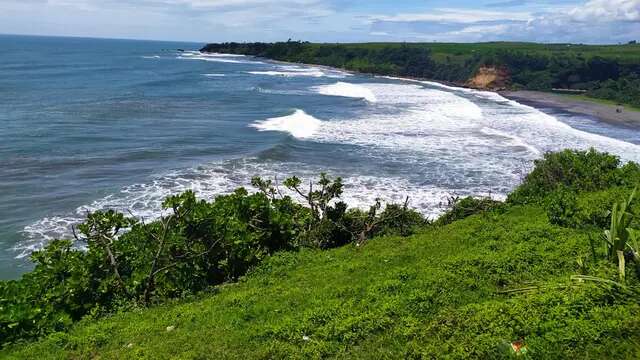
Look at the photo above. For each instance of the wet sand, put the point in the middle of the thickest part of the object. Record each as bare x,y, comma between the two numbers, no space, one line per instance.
604,112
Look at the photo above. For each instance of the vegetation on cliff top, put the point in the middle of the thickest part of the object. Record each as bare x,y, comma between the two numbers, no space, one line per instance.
533,274
609,72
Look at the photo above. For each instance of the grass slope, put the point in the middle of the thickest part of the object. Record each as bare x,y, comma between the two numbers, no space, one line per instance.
435,294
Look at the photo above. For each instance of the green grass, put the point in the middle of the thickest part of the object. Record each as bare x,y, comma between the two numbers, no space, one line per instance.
432,295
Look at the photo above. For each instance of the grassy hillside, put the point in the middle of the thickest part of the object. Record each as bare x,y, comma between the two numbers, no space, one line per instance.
482,278
536,272
435,293
609,72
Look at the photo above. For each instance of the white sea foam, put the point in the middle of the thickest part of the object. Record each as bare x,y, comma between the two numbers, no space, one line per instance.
454,141
300,71
298,124
198,53
151,57
346,90
542,131
312,73
221,58
144,201
214,75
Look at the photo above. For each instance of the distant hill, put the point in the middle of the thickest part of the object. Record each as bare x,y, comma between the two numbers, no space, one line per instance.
610,72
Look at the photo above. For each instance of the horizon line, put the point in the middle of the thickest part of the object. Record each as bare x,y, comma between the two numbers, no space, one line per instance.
312,42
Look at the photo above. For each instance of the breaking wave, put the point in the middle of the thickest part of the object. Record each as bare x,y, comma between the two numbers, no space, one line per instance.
419,139
221,58
301,71
347,90
299,124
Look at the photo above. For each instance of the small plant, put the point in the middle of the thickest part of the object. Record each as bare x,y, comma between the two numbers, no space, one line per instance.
460,208
620,237
562,207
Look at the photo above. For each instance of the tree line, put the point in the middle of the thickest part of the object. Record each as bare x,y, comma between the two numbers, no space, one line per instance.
602,77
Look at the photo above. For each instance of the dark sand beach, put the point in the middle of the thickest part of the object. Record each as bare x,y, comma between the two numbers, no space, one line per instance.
613,114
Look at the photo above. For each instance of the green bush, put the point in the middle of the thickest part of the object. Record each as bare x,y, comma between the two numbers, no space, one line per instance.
562,207
578,171
200,244
465,207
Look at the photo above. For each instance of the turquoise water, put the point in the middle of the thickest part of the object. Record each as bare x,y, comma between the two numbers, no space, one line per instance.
91,124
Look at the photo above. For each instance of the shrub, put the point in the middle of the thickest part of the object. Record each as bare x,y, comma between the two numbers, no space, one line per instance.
582,210
578,171
200,244
465,207
562,207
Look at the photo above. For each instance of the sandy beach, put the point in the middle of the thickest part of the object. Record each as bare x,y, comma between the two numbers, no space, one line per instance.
604,112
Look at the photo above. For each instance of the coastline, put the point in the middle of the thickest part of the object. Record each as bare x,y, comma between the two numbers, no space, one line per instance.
604,112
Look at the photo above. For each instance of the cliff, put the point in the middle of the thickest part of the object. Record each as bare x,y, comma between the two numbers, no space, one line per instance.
490,78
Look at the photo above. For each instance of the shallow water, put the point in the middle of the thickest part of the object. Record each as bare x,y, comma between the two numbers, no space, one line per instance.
94,124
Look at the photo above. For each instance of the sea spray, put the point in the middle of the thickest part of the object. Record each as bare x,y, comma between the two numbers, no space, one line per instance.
347,90
299,124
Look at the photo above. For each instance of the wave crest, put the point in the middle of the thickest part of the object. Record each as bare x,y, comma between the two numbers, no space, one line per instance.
347,90
299,124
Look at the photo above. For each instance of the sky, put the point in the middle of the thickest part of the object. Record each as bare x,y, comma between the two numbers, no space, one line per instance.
576,21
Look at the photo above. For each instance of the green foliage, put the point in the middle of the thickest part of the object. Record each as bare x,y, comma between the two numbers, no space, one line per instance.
620,237
562,207
606,72
577,171
624,90
465,207
198,245
586,210
437,294
468,288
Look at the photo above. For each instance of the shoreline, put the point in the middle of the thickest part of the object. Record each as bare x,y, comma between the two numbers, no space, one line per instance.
603,112
628,117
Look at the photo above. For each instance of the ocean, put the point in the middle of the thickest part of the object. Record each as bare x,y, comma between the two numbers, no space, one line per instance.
88,124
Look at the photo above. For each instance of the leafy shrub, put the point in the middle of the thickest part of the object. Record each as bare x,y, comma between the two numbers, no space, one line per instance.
562,207
592,209
465,207
198,245
578,171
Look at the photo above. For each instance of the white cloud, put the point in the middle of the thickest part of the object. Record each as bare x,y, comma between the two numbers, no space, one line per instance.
454,15
595,21
607,10
600,21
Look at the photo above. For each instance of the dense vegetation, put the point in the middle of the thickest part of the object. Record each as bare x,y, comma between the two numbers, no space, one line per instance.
609,72
537,273
197,245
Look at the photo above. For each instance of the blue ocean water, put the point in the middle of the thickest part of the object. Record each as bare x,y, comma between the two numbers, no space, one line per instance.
90,124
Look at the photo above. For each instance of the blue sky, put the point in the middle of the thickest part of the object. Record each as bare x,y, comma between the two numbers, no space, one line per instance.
584,21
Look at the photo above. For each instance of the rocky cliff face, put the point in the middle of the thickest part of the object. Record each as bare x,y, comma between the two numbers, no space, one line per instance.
490,78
